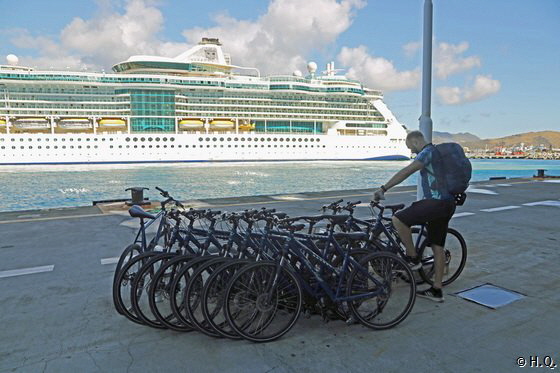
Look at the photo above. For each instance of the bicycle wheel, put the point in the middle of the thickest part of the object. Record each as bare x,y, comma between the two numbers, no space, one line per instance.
140,286
159,293
178,299
194,298
213,297
263,301
123,285
455,251
391,290
129,252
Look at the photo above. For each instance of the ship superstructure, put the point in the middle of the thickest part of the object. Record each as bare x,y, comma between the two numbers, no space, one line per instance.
195,107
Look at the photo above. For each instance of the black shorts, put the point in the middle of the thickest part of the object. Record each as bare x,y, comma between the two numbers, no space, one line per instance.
435,213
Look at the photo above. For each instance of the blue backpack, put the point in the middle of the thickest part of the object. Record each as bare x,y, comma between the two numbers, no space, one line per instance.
455,168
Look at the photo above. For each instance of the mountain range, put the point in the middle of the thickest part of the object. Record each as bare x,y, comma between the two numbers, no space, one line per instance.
546,138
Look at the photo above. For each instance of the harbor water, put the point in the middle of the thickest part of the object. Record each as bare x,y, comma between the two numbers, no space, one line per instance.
38,187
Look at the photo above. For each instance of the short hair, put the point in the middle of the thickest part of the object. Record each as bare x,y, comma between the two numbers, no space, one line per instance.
415,135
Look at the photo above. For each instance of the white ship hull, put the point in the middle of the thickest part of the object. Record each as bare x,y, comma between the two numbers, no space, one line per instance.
20,149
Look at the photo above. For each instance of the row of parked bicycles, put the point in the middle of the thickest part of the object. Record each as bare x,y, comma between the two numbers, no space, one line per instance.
251,274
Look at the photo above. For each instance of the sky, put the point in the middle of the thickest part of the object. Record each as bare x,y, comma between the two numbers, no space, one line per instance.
496,69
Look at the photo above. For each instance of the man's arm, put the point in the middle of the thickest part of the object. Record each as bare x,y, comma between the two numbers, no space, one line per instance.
403,174
398,178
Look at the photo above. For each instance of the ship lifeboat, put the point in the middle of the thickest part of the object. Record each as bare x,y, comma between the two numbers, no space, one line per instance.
74,123
112,122
2,123
246,126
222,124
32,123
191,123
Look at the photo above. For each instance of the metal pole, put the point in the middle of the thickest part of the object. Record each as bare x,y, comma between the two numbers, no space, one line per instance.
425,118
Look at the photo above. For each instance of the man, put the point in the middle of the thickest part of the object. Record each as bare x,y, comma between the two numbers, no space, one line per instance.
436,209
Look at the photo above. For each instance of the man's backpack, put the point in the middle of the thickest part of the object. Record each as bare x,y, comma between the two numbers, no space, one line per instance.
455,167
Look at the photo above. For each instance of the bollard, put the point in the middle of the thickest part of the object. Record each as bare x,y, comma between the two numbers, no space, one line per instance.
137,196
540,172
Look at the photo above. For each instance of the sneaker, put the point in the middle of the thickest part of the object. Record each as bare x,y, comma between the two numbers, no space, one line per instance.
432,294
414,262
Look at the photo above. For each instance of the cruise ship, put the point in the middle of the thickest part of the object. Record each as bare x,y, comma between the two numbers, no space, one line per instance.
195,107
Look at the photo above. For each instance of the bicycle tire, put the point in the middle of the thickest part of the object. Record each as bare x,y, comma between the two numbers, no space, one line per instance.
123,284
391,274
193,295
161,288
248,299
128,253
213,295
139,295
455,248
179,286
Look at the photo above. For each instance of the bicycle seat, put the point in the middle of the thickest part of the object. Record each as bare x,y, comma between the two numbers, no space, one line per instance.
352,236
294,228
138,212
400,206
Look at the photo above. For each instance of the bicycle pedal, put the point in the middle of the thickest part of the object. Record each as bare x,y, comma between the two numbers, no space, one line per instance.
351,321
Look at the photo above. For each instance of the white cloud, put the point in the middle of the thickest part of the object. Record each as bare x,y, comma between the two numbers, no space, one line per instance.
277,42
106,39
377,72
280,40
448,60
483,86
411,48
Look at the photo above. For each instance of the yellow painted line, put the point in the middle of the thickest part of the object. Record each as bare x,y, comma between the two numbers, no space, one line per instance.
53,218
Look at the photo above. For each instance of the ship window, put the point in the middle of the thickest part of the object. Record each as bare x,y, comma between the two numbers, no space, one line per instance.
56,147
311,140
299,139
135,146
150,139
127,139
243,139
30,147
103,139
214,139
29,139
199,139
236,139
20,139
164,138
48,147
157,146
207,146
269,139
262,138
157,139
221,139
142,139
281,139
275,139
93,139
143,146
88,146
135,139
208,139
229,139
318,140
172,139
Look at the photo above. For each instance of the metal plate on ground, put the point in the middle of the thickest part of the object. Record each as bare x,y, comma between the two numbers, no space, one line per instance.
490,296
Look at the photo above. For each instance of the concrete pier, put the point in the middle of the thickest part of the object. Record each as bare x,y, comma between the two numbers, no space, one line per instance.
56,311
